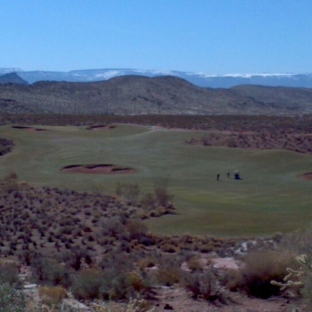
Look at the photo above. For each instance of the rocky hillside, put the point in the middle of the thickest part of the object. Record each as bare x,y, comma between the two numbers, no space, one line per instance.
12,78
136,95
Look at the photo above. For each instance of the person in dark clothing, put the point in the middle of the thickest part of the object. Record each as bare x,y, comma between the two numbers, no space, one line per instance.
236,175
218,176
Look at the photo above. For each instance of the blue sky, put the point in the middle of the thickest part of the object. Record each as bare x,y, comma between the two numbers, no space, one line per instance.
211,36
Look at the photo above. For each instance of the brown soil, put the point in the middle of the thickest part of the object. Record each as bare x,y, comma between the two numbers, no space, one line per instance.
179,300
98,169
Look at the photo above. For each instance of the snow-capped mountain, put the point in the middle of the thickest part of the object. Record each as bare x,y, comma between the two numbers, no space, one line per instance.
199,79
4,71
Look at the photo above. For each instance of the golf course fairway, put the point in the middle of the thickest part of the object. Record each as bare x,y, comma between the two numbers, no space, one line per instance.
271,196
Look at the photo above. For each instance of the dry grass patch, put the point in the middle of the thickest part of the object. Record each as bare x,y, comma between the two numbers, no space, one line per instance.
261,267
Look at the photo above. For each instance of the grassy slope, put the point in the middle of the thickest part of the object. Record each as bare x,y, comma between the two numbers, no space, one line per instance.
270,197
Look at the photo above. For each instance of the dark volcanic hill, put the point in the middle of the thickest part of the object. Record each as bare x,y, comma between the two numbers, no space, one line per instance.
12,78
135,95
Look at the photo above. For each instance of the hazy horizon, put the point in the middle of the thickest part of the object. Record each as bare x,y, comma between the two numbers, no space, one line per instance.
214,37
4,70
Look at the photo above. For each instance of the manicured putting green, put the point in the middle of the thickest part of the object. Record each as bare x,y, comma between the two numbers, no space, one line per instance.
270,198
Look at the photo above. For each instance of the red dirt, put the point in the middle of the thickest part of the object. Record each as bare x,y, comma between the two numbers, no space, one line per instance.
307,176
98,169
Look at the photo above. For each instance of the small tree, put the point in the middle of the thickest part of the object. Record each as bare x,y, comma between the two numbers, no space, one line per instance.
10,182
128,191
148,201
162,194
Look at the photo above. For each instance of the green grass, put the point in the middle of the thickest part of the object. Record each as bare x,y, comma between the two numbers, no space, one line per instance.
270,198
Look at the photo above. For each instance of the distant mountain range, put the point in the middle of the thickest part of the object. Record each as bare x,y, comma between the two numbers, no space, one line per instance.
198,79
166,95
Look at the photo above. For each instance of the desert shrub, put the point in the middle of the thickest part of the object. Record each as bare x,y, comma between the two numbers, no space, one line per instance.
65,230
10,182
11,299
232,279
129,285
109,283
120,278
148,201
9,274
261,268
119,287
161,192
169,247
26,256
299,242
128,191
148,262
136,281
52,296
112,227
136,229
194,264
204,285
50,272
87,284
169,270
168,276
12,175
76,256
205,248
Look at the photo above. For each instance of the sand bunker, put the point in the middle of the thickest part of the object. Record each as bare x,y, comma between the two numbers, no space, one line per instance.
307,176
98,169
101,127
31,129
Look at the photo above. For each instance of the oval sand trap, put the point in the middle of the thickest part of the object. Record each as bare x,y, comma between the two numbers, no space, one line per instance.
98,169
307,176
31,129
101,127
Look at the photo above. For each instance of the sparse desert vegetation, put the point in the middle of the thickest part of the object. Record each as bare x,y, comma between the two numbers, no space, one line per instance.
286,140
5,146
93,243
